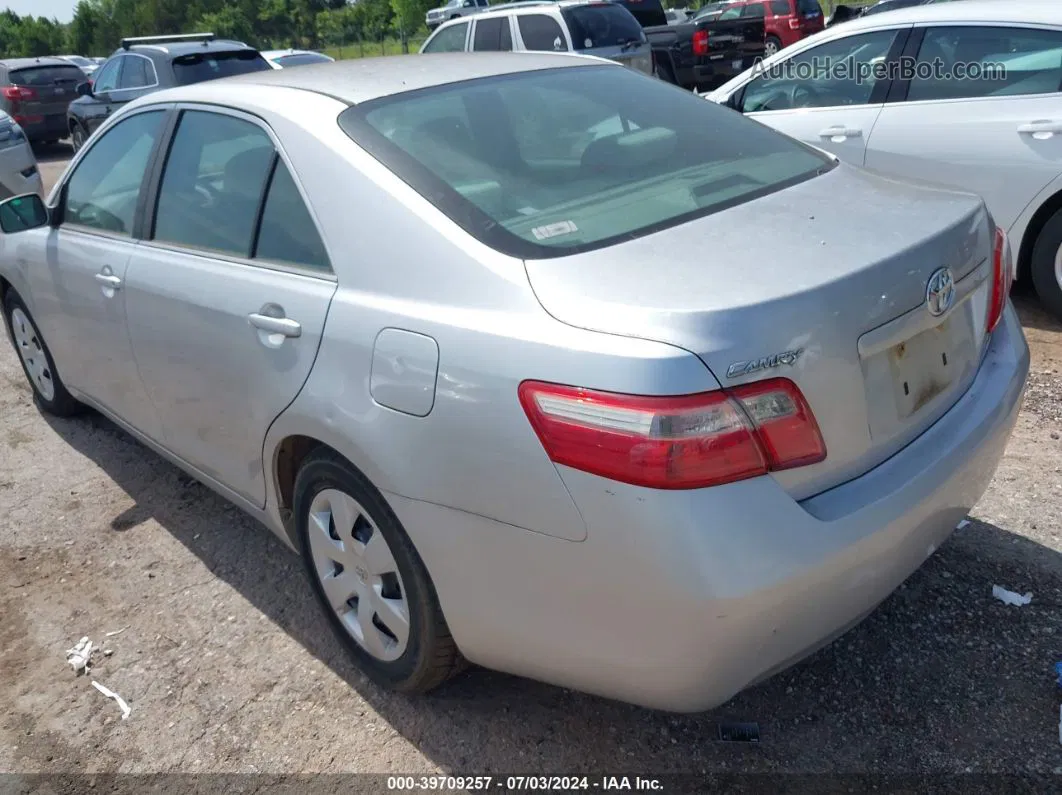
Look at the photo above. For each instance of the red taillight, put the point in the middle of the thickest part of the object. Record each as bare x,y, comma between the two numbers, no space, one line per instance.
794,24
680,442
700,43
18,93
1002,279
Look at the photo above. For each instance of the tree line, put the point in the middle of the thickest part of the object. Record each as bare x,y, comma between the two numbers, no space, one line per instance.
98,26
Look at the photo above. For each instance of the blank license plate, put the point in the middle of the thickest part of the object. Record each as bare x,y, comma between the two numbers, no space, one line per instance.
924,367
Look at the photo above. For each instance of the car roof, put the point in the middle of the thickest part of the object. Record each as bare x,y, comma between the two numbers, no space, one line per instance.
178,48
1033,12
363,79
44,60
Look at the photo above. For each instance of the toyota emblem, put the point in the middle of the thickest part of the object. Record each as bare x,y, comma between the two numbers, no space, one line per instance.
940,292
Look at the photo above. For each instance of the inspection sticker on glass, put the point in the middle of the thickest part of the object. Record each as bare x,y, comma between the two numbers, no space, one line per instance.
554,230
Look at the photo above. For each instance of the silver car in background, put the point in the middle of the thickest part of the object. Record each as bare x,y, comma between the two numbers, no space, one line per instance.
18,165
538,363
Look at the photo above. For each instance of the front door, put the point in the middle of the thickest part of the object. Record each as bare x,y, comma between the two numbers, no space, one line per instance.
821,95
226,309
79,289
988,120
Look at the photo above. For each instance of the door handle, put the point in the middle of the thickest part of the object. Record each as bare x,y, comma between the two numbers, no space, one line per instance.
841,132
109,280
284,326
1046,127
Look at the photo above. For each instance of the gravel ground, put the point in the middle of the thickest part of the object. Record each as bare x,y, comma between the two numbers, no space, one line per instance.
228,667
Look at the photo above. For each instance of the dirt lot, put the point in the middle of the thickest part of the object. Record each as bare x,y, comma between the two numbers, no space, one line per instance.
229,668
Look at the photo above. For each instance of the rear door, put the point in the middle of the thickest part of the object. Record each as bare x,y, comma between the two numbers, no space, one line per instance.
47,91
827,96
987,118
228,296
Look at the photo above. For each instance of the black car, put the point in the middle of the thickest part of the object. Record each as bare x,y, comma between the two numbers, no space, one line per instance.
152,63
35,92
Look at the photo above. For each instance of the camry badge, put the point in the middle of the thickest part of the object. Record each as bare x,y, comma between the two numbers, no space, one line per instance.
738,369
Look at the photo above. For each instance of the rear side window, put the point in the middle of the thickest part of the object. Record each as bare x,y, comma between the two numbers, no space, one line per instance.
139,72
780,8
987,62
492,35
451,39
754,10
541,33
212,184
601,26
198,67
37,76
552,162
287,232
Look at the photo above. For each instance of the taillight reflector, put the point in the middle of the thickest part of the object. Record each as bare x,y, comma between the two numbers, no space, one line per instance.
1002,279
675,442
18,93
700,43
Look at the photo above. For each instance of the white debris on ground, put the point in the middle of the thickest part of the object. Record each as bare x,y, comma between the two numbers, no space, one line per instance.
111,694
1011,598
80,656
116,632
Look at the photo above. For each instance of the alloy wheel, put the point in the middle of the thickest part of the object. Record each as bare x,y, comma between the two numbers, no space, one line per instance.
358,574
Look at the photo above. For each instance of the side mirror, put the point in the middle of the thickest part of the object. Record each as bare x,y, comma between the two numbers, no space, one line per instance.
84,89
20,213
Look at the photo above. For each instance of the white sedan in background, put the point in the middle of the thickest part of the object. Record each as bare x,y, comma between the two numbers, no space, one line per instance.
283,59
971,99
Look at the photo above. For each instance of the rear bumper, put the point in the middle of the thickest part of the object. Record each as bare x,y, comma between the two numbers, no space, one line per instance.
678,600
48,128
713,71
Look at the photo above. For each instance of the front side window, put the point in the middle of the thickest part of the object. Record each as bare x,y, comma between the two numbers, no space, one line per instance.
451,39
541,33
839,73
967,62
212,183
107,78
199,67
102,192
610,156
492,35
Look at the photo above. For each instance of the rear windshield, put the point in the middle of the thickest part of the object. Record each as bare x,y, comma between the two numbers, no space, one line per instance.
649,13
808,7
199,66
601,26
302,58
46,75
553,162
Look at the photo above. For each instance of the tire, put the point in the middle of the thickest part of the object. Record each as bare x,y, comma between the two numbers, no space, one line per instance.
49,392
771,45
1046,265
340,559
77,137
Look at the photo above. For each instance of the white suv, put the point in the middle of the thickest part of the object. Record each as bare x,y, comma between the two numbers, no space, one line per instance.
453,10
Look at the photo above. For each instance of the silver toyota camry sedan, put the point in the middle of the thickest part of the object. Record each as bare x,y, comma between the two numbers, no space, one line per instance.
539,363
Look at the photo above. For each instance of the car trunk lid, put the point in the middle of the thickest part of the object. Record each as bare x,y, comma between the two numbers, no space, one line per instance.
824,283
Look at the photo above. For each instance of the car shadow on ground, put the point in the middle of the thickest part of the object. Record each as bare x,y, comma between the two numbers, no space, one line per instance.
1031,309
53,153
940,674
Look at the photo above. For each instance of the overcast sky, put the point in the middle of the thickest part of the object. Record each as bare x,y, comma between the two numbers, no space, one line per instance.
63,10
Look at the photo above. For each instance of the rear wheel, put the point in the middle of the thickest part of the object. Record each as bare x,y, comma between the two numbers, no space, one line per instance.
370,580
1046,265
48,390
771,45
